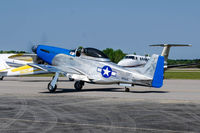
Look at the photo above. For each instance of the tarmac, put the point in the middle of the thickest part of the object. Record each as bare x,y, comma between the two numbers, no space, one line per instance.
26,106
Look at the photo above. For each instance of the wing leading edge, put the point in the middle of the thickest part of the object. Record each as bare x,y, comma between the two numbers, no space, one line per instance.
67,71
50,68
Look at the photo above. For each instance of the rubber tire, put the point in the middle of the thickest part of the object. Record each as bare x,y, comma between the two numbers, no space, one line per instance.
78,85
71,79
127,90
51,89
1,78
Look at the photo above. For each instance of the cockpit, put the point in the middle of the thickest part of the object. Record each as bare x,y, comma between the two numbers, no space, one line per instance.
91,52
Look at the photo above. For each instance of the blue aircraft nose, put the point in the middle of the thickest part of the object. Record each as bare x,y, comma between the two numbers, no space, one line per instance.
34,48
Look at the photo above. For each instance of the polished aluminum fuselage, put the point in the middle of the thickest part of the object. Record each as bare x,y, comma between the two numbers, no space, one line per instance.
89,69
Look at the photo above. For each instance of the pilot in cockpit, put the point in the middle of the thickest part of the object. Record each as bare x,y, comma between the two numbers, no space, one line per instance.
79,51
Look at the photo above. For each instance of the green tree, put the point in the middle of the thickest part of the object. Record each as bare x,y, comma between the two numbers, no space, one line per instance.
114,55
110,53
118,55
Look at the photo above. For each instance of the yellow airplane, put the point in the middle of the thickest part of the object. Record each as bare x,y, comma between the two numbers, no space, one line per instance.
16,65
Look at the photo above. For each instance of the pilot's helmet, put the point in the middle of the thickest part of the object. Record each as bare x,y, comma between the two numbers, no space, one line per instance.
82,50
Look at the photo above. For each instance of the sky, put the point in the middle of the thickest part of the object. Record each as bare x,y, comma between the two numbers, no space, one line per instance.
129,25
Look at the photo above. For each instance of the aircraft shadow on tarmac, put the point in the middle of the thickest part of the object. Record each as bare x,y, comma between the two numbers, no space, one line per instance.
60,90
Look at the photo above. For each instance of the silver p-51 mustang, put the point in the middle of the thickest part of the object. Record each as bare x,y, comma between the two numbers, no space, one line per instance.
93,66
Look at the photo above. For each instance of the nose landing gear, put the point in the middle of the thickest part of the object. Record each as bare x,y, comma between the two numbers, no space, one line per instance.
51,88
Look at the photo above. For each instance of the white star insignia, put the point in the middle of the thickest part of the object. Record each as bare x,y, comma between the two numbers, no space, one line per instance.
106,71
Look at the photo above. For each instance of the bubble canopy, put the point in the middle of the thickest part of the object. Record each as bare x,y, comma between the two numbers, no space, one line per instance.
94,53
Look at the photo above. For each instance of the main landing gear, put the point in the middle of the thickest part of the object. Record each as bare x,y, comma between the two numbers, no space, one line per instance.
52,85
127,89
78,85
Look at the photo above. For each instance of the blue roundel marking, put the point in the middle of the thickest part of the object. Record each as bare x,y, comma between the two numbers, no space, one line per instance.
106,71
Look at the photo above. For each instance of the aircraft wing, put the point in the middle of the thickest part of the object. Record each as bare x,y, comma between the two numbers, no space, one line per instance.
49,68
24,57
27,57
67,71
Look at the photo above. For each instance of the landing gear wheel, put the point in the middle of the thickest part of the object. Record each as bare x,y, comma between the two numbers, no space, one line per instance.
71,79
127,89
78,85
1,78
51,88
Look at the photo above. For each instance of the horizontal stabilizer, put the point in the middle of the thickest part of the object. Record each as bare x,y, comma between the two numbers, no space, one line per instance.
171,45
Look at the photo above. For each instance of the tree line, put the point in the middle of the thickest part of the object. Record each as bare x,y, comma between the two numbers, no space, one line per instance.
117,55
184,61
12,51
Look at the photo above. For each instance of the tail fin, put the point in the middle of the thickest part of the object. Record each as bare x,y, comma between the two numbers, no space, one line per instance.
158,77
153,71
167,47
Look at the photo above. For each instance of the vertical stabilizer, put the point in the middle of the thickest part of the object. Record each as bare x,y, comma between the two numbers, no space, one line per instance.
167,47
159,73
153,71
